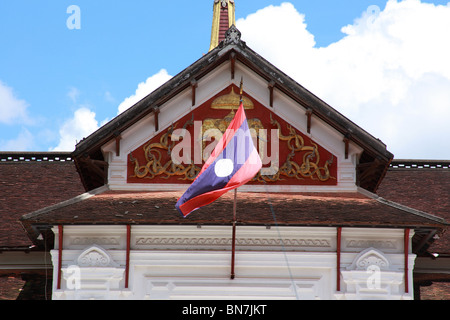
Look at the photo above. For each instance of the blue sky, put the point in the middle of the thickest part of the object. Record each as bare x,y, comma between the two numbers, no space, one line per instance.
49,72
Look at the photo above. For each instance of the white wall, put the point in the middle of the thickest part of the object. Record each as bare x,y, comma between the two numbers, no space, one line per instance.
186,262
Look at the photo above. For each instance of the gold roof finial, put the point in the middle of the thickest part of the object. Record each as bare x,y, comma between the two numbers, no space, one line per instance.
223,18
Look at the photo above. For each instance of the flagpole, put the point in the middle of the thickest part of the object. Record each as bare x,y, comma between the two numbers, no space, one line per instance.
233,245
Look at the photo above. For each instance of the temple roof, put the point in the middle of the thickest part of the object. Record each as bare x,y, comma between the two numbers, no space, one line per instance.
359,209
373,163
423,185
300,209
29,181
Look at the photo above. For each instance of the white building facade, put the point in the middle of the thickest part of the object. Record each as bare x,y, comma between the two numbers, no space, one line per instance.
315,231
190,263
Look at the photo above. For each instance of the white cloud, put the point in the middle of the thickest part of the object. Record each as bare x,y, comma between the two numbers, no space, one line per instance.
75,129
84,121
144,89
74,94
274,28
390,73
12,109
109,97
23,142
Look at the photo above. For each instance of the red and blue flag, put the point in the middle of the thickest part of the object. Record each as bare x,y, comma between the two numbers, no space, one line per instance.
233,163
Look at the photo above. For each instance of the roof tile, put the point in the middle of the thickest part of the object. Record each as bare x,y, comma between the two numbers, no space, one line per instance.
346,209
27,186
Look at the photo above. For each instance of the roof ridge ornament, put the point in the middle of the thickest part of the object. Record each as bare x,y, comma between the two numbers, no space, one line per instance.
232,36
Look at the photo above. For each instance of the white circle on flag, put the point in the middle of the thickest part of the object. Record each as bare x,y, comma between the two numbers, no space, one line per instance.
224,168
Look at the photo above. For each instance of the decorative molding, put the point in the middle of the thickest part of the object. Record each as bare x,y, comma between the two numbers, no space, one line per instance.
380,244
95,257
86,241
372,276
306,163
404,164
143,241
317,243
248,242
36,157
232,101
308,288
370,257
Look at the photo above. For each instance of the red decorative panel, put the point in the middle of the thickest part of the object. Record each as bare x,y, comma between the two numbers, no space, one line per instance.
175,155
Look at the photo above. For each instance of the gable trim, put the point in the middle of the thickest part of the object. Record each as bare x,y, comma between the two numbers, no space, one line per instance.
235,48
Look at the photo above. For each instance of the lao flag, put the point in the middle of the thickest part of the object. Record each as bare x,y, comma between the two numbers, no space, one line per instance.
233,163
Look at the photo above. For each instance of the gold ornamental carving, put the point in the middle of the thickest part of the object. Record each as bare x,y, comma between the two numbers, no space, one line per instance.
308,168
232,101
154,154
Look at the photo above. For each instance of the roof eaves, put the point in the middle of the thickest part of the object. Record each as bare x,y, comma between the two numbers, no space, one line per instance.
82,197
172,87
409,210
309,100
263,67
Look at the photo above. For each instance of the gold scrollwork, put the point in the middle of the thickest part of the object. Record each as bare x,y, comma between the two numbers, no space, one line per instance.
154,167
309,168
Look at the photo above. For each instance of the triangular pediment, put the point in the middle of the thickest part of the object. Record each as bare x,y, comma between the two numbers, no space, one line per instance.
177,153
318,145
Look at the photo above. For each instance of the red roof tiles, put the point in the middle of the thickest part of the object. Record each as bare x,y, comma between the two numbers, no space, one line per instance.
422,185
28,186
353,209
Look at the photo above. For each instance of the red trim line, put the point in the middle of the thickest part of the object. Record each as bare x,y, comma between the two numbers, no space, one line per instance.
406,260
60,250
127,268
338,259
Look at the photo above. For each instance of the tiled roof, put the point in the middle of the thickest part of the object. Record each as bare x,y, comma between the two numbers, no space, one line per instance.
346,209
29,182
422,185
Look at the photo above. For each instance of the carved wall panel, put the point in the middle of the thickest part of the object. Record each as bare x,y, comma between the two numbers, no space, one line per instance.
298,160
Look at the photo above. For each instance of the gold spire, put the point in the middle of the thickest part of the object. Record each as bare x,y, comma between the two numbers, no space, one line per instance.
223,19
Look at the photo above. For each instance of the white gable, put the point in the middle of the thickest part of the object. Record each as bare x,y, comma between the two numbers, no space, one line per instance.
209,86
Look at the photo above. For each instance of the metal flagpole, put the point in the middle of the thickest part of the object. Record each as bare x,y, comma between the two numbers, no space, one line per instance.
233,245
233,248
